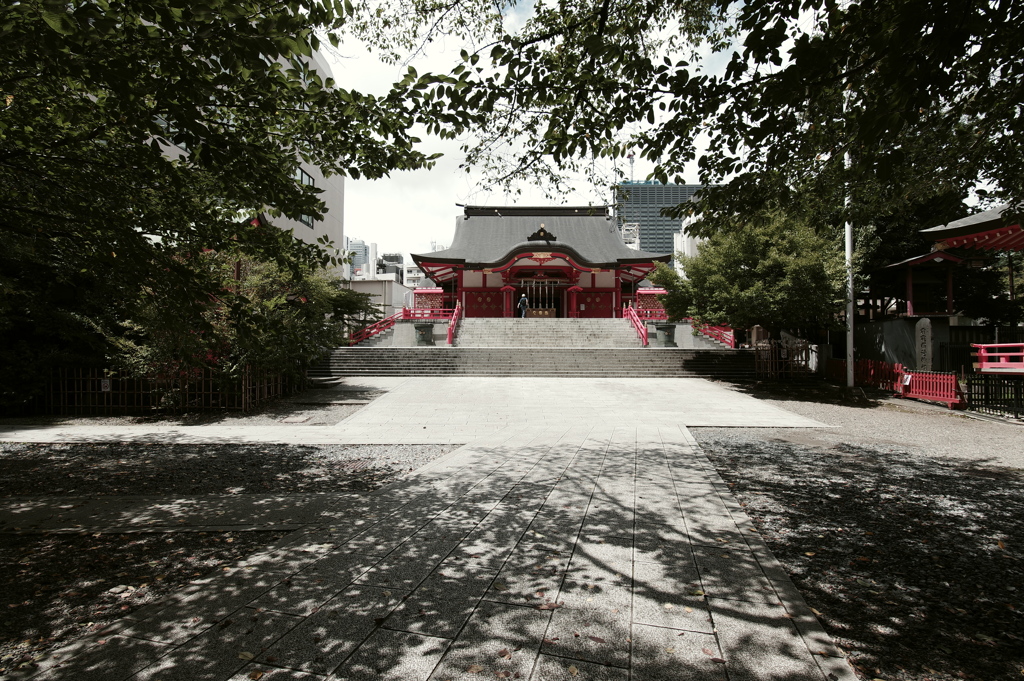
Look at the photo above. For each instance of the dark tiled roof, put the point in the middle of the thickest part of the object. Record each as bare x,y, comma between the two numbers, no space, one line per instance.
487,236
992,218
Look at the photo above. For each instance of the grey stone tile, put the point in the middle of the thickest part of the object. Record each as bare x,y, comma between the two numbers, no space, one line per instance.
268,673
393,656
668,654
382,539
531,575
608,551
303,593
444,602
835,669
550,668
592,625
324,639
497,638
667,595
713,530
732,573
221,650
660,543
408,565
111,657
758,641
288,559
208,602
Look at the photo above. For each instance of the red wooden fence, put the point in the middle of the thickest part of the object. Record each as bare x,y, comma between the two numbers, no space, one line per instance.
929,385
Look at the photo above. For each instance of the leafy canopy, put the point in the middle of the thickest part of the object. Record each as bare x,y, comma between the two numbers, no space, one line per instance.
779,275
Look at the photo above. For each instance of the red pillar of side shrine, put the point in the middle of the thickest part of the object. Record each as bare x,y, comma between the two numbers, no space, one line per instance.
568,261
507,292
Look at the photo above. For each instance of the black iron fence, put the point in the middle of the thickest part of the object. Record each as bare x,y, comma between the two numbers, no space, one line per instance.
995,394
95,391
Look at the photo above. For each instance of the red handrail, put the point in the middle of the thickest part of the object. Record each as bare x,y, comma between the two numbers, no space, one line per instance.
652,314
641,329
722,334
454,321
374,329
426,313
999,357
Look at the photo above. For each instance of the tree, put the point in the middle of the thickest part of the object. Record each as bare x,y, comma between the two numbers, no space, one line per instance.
99,220
781,275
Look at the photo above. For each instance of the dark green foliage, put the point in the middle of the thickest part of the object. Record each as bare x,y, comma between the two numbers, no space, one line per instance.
103,220
779,275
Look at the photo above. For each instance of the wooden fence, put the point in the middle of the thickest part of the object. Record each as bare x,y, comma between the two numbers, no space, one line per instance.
931,386
783,360
102,391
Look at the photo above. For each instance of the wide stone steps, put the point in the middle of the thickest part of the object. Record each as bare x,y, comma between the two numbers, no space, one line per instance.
545,333
594,362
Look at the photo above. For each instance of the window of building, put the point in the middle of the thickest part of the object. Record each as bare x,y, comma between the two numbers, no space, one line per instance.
306,179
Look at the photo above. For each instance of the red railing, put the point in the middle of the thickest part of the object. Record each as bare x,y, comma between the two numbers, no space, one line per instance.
928,385
1001,358
870,372
374,329
654,315
722,334
456,315
638,325
428,313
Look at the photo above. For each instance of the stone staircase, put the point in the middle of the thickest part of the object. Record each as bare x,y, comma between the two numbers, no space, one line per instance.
545,333
541,347
574,362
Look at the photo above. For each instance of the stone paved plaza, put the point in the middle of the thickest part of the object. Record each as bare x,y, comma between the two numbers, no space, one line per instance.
579,533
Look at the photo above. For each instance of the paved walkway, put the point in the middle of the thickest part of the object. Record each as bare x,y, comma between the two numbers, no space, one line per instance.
540,551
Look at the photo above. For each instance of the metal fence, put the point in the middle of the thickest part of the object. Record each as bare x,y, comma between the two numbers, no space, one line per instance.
96,391
995,394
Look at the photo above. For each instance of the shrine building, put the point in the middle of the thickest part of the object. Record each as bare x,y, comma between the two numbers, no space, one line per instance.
568,261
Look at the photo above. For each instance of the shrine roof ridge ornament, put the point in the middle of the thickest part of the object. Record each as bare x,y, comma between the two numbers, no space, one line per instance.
542,235
536,211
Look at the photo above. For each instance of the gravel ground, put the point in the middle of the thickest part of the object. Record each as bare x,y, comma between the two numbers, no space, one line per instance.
58,587
902,528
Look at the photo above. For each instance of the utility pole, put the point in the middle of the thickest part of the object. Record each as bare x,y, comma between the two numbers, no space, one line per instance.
851,295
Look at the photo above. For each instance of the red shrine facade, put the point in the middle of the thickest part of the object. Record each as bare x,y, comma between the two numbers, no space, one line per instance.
568,261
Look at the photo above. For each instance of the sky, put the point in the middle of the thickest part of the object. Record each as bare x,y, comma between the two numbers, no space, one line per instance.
410,210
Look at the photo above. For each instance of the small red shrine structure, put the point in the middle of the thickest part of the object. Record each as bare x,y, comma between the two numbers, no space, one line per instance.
569,261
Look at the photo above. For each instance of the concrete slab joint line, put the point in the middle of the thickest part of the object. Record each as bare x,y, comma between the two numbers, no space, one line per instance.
601,547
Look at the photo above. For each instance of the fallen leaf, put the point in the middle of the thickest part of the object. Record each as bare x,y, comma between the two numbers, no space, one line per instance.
718,660
245,655
669,606
550,641
596,639
809,553
708,652
1001,544
474,669
689,609
505,654
256,676
670,649
815,611
697,592
573,671
503,675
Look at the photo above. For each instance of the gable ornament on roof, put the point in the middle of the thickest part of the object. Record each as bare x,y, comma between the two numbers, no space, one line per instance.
542,235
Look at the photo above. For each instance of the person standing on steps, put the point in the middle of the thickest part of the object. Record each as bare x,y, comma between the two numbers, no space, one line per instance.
524,305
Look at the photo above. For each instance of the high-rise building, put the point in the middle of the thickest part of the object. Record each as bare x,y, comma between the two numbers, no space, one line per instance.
392,263
641,203
360,253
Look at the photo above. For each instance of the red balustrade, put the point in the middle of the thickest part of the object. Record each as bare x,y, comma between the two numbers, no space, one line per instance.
1002,358
930,386
438,314
652,314
639,326
373,329
456,315
722,334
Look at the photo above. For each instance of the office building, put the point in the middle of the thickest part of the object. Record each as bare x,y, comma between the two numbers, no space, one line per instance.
641,203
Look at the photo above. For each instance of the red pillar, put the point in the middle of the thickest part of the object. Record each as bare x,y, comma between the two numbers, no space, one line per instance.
506,300
574,308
